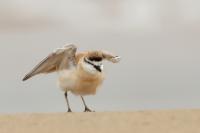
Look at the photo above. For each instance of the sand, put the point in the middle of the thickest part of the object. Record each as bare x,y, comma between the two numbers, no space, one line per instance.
176,121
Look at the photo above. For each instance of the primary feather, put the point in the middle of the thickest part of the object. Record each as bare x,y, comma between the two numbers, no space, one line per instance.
57,60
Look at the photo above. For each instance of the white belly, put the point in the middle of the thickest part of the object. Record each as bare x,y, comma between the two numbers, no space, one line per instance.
80,81
67,79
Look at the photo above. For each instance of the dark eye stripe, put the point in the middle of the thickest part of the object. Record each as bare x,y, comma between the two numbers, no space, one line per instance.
98,68
95,58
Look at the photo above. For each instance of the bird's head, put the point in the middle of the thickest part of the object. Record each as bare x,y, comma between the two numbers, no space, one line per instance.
94,61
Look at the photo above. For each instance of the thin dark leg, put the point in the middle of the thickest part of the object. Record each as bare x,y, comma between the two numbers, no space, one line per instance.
68,106
86,107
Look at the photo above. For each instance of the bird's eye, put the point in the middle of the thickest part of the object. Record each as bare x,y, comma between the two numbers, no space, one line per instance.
95,59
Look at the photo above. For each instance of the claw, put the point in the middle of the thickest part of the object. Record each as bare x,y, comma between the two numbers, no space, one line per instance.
88,110
69,110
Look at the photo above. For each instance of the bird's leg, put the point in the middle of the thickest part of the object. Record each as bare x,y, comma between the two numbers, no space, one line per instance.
68,106
86,107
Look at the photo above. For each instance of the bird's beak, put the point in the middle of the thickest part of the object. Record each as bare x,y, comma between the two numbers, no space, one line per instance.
98,68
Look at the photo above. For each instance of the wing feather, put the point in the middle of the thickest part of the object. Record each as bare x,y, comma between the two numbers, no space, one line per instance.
54,61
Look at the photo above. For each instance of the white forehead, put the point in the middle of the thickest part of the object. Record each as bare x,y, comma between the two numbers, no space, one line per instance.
97,63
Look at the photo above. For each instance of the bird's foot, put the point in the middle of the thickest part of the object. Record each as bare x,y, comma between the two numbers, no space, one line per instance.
69,110
88,110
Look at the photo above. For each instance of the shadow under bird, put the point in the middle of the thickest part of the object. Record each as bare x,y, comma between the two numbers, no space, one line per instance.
79,73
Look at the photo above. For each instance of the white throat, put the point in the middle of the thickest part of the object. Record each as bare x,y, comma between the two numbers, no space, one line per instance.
90,68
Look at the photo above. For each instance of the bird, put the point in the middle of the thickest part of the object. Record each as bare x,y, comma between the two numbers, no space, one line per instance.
80,73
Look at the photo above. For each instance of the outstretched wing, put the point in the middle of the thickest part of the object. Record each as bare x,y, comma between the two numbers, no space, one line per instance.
110,57
104,55
59,59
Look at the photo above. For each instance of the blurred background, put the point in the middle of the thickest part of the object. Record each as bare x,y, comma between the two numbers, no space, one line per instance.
159,41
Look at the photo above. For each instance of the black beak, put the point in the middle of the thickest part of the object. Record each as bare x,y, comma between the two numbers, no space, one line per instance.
98,68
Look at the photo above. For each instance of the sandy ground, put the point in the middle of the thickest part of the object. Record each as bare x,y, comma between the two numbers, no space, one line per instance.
177,121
